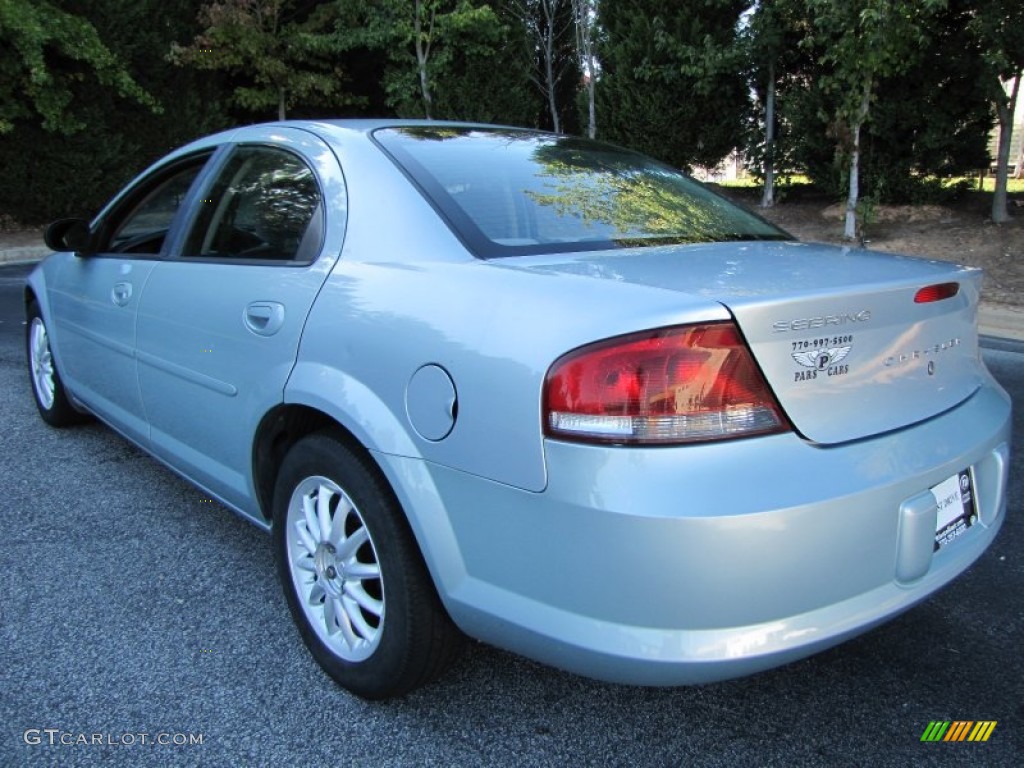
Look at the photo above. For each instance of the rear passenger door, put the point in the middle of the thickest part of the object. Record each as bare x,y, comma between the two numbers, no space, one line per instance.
219,321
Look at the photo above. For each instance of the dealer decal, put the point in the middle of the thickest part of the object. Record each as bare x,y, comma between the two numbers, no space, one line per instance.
822,356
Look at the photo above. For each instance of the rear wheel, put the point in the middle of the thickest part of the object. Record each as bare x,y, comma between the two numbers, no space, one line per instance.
47,388
352,574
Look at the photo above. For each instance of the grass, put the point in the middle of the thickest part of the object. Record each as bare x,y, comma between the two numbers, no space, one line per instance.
1013,186
750,182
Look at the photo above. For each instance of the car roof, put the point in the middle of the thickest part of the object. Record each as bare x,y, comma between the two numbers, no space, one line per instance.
327,130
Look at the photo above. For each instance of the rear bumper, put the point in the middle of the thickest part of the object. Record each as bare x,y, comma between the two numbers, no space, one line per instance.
683,565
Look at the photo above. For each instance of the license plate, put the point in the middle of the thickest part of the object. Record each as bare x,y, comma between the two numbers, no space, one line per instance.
954,497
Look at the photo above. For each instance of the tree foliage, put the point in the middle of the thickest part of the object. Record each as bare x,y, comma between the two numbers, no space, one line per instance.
868,97
434,58
775,66
927,121
271,46
998,26
860,42
551,45
672,82
44,51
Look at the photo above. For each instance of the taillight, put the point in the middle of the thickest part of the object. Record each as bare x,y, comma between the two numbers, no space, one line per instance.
936,292
673,385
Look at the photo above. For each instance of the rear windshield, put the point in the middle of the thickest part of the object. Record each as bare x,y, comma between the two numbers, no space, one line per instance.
509,192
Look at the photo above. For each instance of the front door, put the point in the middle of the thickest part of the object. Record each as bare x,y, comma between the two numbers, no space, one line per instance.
95,298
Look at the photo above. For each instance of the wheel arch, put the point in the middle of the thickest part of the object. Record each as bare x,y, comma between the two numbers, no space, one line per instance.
279,429
366,425
403,473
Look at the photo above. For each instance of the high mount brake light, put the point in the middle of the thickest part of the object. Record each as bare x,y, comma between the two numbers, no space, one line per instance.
936,292
672,385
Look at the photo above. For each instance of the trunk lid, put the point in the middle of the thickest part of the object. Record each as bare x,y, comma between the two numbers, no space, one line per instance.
836,331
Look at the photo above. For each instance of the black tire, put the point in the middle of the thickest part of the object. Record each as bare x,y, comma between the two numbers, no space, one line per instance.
390,633
47,387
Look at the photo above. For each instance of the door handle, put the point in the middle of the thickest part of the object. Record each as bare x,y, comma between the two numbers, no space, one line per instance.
264,318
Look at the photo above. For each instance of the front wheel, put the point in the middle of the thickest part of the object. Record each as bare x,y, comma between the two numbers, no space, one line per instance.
352,574
47,388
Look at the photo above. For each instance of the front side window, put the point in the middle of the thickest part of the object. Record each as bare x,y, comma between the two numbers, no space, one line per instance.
150,211
508,192
264,204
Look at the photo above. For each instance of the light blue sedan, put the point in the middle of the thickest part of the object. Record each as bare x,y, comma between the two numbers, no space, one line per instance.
540,391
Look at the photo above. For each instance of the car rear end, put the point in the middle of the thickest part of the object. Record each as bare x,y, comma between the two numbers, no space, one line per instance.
751,448
763,514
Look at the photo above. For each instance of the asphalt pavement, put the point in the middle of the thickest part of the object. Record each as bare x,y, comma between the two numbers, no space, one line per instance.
134,612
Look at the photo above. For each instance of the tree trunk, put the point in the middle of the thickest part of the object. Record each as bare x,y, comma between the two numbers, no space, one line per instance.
850,231
1005,110
768,196
549,62
592,111
423,55
583,18
280,103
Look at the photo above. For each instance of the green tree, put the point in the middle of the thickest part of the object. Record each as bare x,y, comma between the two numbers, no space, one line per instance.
999,28
671,78
437,58
928,120
272,46
551,43
44,51
861,42
771,39
587,32
63,173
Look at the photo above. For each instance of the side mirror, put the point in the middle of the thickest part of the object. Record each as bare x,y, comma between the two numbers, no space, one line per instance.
69,235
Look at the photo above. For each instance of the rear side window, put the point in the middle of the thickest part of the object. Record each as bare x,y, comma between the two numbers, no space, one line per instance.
508,192
264,204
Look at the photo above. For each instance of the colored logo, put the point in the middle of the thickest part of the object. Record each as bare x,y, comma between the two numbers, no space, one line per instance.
958,730
822,358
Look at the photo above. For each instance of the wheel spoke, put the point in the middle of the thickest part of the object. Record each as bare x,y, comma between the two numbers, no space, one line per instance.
331,618
305,538
305,564
323,511
309,512
360,571
351,545
356,617
338,529
316,595
355,591
345,624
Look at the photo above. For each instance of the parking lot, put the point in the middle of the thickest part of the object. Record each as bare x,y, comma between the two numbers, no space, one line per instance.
142,624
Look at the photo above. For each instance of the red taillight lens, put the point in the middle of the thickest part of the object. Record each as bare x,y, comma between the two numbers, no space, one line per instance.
673,385
936,292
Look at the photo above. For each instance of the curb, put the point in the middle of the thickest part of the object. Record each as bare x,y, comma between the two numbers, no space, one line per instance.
999,320
24,253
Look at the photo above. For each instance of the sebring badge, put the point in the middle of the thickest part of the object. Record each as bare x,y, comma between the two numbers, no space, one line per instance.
821,321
